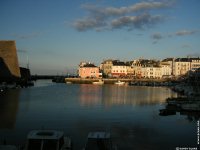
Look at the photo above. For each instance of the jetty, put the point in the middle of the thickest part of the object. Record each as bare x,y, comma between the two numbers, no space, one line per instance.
114,80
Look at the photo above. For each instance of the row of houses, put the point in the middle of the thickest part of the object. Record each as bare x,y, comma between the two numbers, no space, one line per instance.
140,68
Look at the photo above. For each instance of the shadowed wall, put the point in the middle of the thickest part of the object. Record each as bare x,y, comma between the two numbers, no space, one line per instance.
9,66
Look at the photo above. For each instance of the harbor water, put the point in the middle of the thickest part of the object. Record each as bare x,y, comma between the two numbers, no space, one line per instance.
129,113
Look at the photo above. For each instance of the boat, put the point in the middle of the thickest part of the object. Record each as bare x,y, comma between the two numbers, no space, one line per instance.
119,82
68,82
100,82
8,147
47,140
99,141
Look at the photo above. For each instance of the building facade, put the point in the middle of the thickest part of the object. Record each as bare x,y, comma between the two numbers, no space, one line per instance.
119,69
89,70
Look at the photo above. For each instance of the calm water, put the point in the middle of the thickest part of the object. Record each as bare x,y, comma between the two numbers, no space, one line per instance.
130,113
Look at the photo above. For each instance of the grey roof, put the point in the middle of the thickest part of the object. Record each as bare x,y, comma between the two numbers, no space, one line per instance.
119,63
89,65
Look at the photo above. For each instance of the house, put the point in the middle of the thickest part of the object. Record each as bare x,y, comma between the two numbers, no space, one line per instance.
88,70
152,72
119,69
106,67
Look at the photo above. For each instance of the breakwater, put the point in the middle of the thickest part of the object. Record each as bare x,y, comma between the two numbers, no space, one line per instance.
112,81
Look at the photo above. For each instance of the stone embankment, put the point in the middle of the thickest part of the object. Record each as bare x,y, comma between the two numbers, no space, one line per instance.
113,80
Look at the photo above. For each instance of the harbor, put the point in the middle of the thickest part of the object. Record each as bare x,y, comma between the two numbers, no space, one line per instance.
129,113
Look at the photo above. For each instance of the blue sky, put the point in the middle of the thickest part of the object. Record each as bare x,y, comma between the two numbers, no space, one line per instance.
57,34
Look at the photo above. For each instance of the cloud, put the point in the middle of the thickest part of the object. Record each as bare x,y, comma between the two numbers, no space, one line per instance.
27,36
100,18
114,11
88,23
186,32
138,22
157,36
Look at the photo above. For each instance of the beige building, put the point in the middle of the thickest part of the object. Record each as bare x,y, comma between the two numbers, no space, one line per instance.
195,64
152,72
181,66
119,69
166,69
106,67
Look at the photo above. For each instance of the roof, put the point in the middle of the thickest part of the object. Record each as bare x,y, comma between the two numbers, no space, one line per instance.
182,60
89,65
45,134
118,63
167,59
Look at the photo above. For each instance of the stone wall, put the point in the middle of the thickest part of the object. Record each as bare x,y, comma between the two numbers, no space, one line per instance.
9,66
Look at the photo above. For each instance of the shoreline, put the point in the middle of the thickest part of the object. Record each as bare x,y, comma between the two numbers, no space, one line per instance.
112,81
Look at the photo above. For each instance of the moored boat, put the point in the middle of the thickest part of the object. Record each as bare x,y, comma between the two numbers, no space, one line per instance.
99,141
100,82
119,82
47,140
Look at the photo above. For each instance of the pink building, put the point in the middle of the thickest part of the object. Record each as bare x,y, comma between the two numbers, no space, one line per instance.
89,71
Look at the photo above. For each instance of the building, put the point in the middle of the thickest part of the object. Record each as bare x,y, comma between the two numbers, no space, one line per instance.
195,63
119,69
166,69
9,61
106,67
89,70
152,72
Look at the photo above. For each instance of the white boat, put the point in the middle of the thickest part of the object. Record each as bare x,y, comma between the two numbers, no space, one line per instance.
47,140
119,83
99,141
100,82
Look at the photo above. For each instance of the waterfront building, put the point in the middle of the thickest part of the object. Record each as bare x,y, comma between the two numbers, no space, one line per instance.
106,67
89,70
9,61
130,69
195,64
152,72
166,69
181,66
170,62
119,69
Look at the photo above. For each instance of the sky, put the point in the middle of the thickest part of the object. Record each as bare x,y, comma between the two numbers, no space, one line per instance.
54,36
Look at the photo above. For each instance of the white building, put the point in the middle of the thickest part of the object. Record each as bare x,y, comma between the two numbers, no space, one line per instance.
152,72
119,69
166,69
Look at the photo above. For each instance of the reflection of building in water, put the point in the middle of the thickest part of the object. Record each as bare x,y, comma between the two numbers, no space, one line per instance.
109,95
8,108
125,95
90,94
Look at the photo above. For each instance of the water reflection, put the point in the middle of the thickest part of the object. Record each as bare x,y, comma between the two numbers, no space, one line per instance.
9,104
123,95
90,94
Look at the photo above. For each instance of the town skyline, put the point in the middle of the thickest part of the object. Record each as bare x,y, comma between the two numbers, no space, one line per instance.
57,36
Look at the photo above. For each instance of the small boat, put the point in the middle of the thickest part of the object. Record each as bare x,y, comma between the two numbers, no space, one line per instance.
8,147
119,83
47,140
99,141
68,82
100,82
